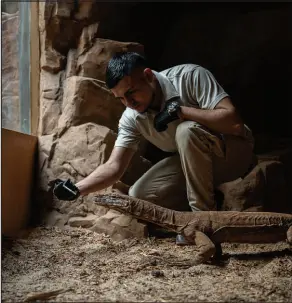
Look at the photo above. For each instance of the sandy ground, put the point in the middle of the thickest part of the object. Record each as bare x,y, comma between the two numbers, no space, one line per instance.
88,267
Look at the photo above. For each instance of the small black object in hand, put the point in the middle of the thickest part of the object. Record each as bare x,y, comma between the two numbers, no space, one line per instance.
65,190
167,115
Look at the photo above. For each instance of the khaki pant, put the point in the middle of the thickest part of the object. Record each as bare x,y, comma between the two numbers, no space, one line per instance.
186,181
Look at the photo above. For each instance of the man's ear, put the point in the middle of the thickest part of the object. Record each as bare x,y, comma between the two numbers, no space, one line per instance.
149,75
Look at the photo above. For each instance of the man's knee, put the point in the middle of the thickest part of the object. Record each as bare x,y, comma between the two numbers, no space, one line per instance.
140,191
137,191
134,191
183,132
189,133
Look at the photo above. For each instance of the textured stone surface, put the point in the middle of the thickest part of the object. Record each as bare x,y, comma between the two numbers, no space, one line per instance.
51,60
74,155
60,30
51,94
54,218
119,226
85,222
112,223
86,100
264,188
93,62
10,72
63,9
122,220
71,63
45,149
282,155
87,38
80,150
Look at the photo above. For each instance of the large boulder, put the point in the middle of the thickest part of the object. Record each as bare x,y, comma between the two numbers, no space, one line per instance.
263,189
119,226
87,100
112,223
93,59
80,150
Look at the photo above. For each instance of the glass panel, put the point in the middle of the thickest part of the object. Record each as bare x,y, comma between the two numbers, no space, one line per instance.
15,72
10,69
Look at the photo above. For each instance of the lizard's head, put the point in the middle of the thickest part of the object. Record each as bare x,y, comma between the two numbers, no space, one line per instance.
113,202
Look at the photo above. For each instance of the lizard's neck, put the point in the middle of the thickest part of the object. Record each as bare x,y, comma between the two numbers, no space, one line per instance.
167,218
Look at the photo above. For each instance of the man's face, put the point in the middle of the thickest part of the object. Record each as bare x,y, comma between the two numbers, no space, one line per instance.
136,91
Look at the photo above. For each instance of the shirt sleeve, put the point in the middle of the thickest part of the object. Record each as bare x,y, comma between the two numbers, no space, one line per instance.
128,135
204,88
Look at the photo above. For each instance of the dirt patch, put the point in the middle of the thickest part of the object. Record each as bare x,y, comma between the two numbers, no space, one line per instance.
91,267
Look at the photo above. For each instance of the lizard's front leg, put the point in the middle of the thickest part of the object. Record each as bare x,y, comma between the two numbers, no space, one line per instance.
206,247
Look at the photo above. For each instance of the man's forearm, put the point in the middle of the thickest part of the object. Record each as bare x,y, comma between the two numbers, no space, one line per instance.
103,177
218,120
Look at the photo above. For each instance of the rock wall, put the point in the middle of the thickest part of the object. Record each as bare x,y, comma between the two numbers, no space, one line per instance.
79,116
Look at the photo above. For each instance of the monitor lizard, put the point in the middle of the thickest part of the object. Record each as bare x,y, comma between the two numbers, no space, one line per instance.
206,229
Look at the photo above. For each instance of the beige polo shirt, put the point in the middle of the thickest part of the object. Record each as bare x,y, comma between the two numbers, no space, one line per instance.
193,85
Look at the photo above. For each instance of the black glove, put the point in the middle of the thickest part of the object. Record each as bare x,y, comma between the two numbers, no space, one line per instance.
167,115
64,190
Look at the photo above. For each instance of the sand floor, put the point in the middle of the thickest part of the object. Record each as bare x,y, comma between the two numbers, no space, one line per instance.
88,267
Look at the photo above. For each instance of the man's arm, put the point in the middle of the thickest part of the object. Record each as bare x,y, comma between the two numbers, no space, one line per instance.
222,119
107,173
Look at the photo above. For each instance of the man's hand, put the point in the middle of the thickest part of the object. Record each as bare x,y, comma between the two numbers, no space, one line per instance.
167,115
64,190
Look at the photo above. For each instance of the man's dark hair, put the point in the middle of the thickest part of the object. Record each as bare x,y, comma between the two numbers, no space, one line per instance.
122,64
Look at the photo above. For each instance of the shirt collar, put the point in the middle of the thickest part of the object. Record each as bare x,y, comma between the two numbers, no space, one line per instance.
168,90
